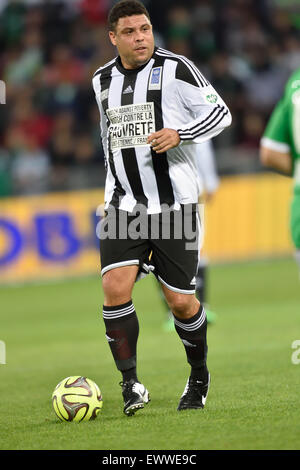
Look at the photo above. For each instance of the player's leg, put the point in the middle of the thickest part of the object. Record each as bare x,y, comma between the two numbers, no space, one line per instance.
168,323
176,261
201,279
121,322
120,260
122,330
201,288
191,326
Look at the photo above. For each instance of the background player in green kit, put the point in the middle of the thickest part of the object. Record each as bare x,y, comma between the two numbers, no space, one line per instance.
280,147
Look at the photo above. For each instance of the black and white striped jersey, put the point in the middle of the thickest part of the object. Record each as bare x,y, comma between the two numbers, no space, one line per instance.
167,92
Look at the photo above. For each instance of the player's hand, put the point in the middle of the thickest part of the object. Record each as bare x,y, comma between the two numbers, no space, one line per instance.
208,197
163,140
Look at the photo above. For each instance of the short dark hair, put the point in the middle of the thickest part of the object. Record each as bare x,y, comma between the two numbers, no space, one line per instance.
125,8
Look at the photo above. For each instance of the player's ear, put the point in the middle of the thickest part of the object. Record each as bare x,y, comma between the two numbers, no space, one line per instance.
112,37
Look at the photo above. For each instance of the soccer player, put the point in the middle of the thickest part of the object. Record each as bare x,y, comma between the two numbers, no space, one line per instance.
280,147
155,107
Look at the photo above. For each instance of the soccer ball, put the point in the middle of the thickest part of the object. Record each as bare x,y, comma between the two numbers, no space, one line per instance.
77,398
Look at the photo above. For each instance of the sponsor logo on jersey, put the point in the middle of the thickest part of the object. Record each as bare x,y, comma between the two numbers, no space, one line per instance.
2,92
128,90
296,84
212,98
296,97
130,125
2,353
155,78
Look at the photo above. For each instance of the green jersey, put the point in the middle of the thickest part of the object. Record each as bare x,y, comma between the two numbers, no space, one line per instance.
283,135
283,130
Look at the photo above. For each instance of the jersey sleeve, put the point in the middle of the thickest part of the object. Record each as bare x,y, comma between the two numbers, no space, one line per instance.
103,125
296,121
209,114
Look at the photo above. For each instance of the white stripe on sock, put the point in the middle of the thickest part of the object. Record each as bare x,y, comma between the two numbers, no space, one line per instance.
112,314
191,326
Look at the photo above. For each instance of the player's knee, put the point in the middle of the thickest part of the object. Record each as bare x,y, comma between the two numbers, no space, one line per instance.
183,306
116,289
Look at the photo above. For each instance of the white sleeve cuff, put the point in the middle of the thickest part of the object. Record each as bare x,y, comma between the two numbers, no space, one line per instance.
275,145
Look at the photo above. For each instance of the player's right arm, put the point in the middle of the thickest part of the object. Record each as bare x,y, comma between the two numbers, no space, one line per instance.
280,161
274,146
103,125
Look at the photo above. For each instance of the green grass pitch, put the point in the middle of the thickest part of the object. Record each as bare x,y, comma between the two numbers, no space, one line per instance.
55,330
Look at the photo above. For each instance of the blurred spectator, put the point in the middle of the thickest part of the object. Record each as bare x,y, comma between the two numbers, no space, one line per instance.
12,22
204,36
290,55
27,118
253,125
61,149
61,145
223,78
61,79
6,188
179,30
266,81
25,61
84,150
94,11
63,67
30,168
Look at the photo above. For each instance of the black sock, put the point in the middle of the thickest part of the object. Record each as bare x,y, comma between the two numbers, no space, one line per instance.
129,374
192,333
200,373
122,330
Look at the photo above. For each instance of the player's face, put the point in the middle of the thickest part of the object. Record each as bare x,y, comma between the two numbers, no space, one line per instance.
134,40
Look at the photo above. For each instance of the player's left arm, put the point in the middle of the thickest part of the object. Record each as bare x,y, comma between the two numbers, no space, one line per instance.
210,114
204,113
